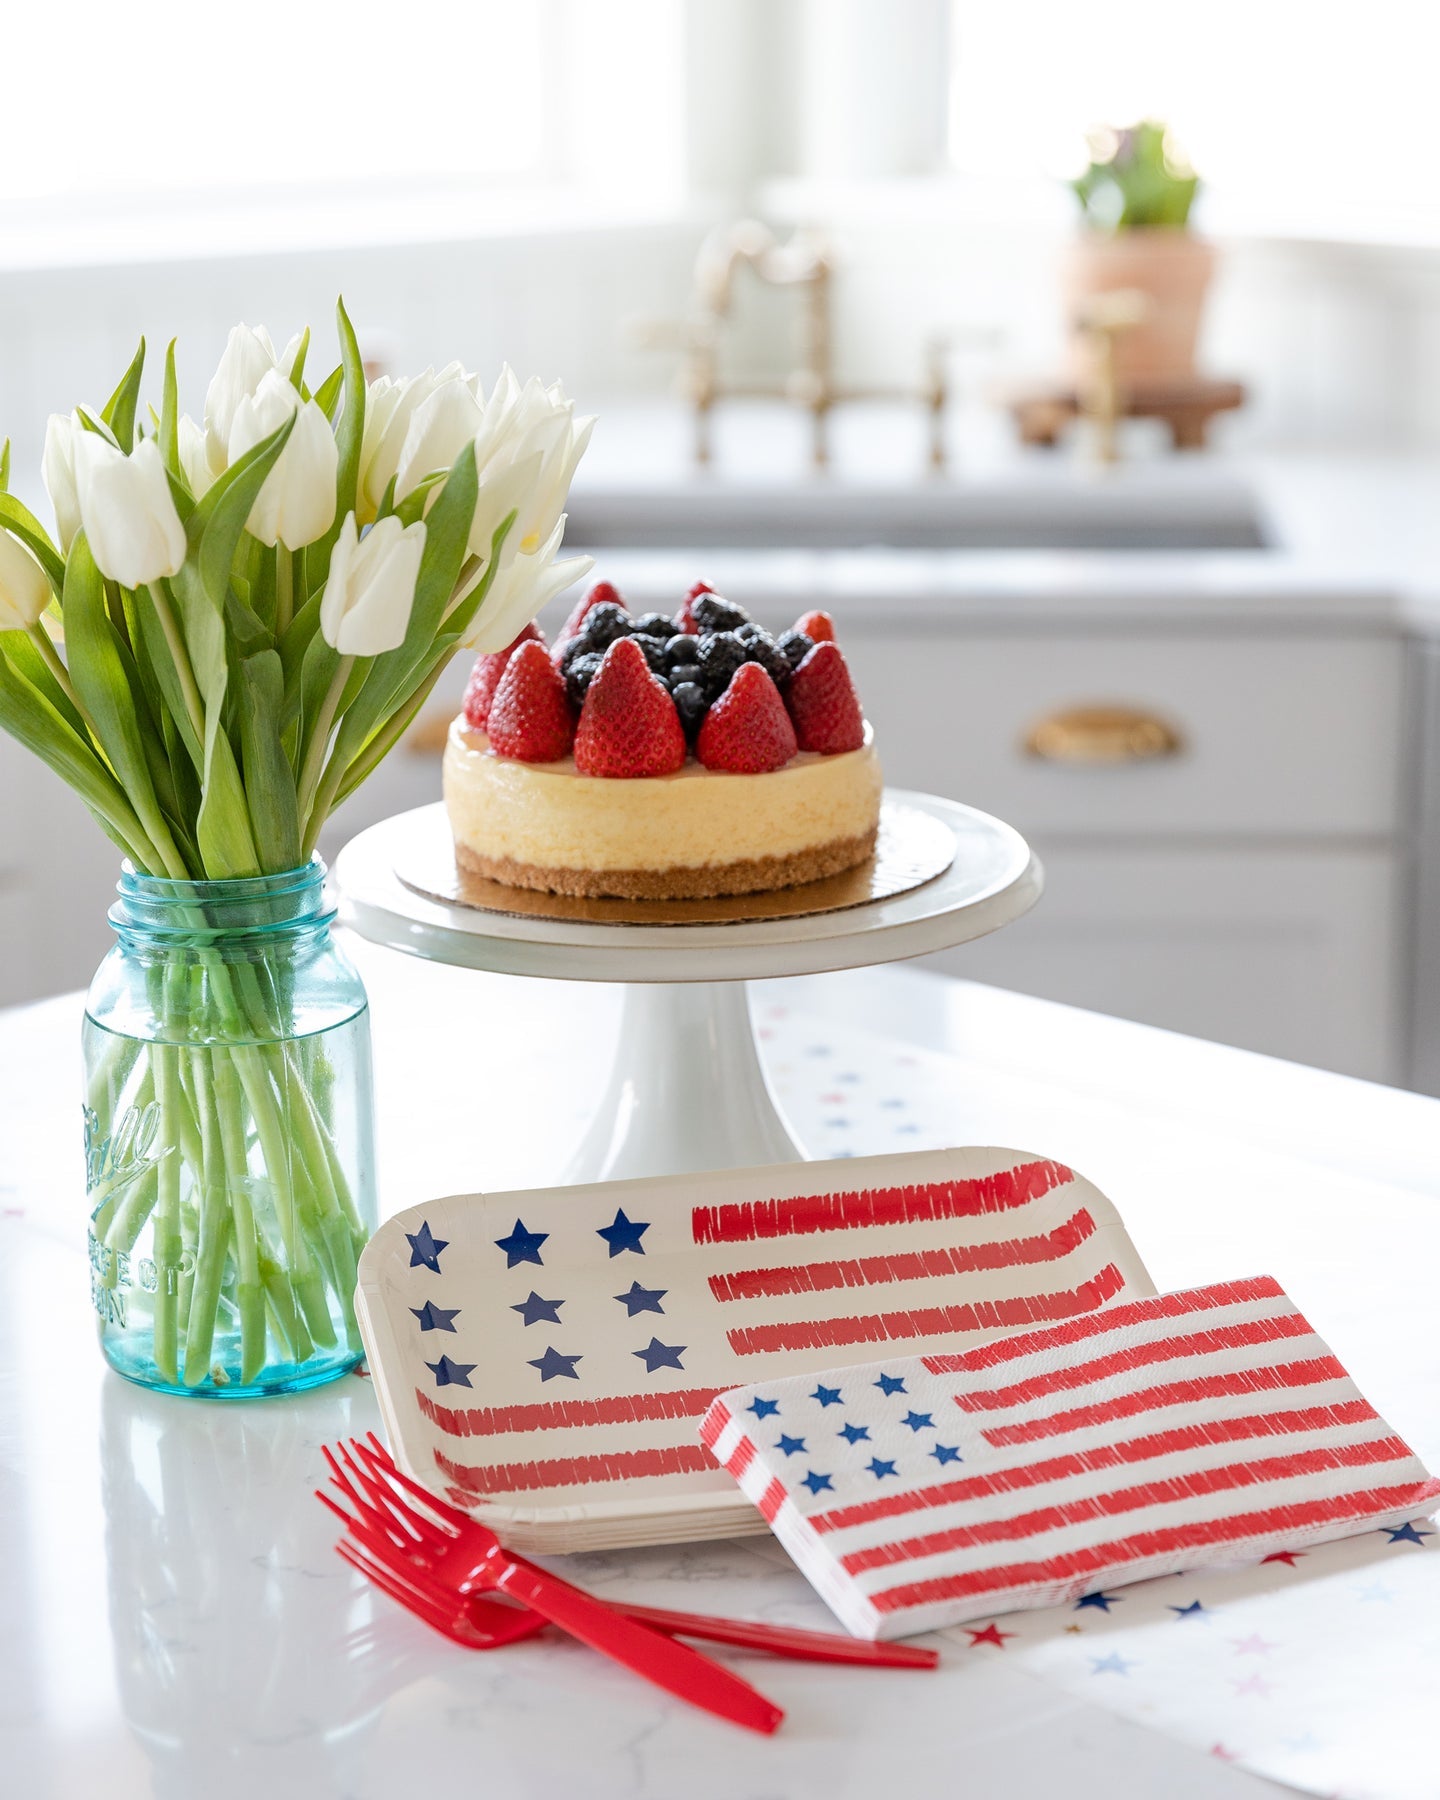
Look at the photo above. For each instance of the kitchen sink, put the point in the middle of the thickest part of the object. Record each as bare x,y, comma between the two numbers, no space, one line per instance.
1130,510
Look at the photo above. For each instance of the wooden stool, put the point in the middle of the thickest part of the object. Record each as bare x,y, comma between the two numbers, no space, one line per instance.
1043,410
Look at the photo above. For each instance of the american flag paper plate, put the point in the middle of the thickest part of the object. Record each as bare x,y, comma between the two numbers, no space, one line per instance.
545,1357
1156,1435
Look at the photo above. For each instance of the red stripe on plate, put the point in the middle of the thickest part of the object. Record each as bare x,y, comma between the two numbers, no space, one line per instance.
573,1471
1178,1488
740,1458
557,1415
1207,1434
1172,1393
868,1271
714,1423
929,1321
1180,1540
772,1500
1134,1312
750,1219
1134,1356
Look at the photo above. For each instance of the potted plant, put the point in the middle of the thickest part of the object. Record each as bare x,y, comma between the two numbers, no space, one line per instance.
1136,197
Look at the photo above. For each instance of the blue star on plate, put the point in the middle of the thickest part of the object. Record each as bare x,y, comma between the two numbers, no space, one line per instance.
521,1246
435,1318
656,1355
918,1421
624,1234
425,1249
642,1299
816,1482
1103,1601
879,1468
1406,1534
890,1384
552,1363
450,1374
1113,1664
535,1309
826,1396
763,1409
790,1445
852,1434
1193,1611
944,1453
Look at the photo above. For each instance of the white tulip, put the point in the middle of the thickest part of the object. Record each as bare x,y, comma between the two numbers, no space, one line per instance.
389,408
521,588
444,422
57,469
194,456
365,608
129,516
24,590
248,358
296,505
520,423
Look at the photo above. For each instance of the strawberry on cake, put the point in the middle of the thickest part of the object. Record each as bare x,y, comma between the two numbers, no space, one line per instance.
663,757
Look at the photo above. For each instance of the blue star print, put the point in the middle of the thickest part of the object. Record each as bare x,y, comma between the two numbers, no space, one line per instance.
641,1299
763,1409
791,1446
878,1468
424,1249
1193,1611
1103,1601
1406,1534
918,1421
890,1384
852,1434
1111,1665
656,1355
521,1246
435,1318
552,1363
826,1396
944,1453
816,1482
624,1234
449,1374
536,1309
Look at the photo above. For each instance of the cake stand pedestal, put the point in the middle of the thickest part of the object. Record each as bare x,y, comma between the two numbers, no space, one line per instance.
687,1090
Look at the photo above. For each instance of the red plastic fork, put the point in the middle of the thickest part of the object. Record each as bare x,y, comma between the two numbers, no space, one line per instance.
425,1546
675,1667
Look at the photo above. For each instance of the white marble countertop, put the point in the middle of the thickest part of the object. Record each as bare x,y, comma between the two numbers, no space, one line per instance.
173,1621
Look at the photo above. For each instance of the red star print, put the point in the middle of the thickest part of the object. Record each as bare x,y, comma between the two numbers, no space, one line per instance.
992,1634
1286,1556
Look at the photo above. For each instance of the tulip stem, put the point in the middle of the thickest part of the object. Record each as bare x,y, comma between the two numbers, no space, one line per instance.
50,656
284,588
320,740
189,691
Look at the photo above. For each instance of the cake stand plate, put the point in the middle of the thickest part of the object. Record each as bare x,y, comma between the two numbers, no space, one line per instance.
686,1036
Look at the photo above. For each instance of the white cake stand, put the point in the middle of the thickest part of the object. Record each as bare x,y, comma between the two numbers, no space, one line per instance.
686,1034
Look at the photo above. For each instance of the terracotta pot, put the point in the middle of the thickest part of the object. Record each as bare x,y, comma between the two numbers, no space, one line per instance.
1171,267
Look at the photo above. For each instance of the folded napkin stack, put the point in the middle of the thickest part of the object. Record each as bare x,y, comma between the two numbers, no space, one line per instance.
1153,1436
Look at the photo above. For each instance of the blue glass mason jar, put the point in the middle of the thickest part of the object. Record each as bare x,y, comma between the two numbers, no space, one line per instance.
229,1136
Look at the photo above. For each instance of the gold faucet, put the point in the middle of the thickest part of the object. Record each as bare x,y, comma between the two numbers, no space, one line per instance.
805,264
1101,321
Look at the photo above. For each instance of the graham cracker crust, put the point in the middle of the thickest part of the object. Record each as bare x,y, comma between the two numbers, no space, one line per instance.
750,876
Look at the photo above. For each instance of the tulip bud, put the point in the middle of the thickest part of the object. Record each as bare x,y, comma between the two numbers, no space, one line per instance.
129,516
365,608
520,423
24,590
296,505
440,428
194,456
522,587
248,358
57,469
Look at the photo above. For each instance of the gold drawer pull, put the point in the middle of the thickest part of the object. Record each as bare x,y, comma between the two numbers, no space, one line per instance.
1103,734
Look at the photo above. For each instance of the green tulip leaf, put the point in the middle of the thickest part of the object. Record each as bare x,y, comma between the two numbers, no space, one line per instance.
168,431
269,779
118,411
219,519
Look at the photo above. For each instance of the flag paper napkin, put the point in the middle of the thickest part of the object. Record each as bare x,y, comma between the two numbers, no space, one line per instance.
1155,1435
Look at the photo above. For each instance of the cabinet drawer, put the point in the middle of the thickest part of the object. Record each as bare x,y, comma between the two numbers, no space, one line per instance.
1246,735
